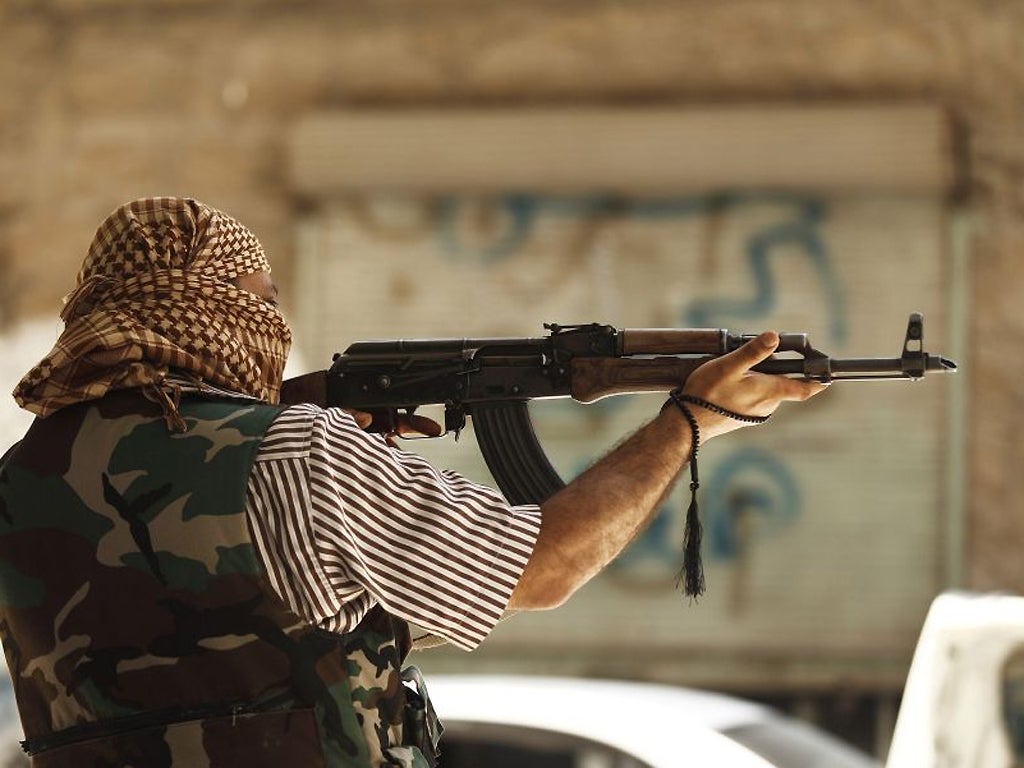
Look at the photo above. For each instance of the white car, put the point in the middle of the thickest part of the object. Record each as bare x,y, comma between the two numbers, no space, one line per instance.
963,706
545,722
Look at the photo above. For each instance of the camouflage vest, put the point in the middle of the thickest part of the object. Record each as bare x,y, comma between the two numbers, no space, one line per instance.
137,625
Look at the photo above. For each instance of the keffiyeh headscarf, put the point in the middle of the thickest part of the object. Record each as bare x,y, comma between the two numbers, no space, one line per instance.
154,295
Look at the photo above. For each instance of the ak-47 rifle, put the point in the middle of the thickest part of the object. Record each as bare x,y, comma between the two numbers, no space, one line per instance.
492,381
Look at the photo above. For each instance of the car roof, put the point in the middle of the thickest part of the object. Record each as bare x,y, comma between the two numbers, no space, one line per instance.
645,720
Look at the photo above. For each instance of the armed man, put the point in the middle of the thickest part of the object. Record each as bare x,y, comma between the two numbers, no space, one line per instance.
194,574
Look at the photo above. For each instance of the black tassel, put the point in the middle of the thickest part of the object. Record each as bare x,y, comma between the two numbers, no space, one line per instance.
692,575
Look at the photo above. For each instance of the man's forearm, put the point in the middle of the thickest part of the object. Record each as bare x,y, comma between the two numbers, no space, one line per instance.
590,521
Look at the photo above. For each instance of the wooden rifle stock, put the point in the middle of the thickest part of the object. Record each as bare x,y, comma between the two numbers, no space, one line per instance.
309,388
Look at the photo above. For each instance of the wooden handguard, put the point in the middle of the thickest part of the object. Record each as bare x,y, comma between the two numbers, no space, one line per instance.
673,341
597,377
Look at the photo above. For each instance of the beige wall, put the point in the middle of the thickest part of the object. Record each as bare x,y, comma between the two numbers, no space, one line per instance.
101,102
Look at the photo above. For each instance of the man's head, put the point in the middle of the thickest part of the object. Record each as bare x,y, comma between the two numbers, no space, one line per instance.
169,284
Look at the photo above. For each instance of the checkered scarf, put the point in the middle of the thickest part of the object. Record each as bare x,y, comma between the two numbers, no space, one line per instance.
155,296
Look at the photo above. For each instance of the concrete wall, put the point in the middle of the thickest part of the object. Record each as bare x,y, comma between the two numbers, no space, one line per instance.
102,101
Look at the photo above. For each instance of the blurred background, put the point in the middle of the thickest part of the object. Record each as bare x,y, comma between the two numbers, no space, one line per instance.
460,168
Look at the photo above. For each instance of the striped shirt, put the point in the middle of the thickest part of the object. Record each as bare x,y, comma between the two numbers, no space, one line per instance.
342,521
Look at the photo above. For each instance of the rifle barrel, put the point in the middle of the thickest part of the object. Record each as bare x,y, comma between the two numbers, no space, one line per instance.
858,368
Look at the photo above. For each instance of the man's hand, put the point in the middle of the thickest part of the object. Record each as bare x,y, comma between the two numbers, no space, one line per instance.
727,381
406,425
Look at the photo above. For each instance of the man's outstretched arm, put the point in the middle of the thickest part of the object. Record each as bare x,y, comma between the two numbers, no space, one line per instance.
590,521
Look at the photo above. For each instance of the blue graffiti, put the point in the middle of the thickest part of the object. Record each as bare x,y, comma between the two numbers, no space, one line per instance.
804,231
522,212
750,490
519,214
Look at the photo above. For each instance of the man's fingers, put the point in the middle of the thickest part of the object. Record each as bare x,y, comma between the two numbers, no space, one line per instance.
410,425
402,424
797,389
755,351
361,418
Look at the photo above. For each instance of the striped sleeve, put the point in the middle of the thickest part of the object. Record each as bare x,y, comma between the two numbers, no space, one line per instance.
344,521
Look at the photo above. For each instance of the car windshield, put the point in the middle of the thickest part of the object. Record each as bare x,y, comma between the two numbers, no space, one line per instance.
791,744
472,745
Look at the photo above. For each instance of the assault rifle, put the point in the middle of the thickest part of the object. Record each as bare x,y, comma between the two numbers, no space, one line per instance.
492,381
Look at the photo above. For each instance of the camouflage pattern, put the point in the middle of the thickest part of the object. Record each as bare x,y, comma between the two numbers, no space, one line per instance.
136,622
